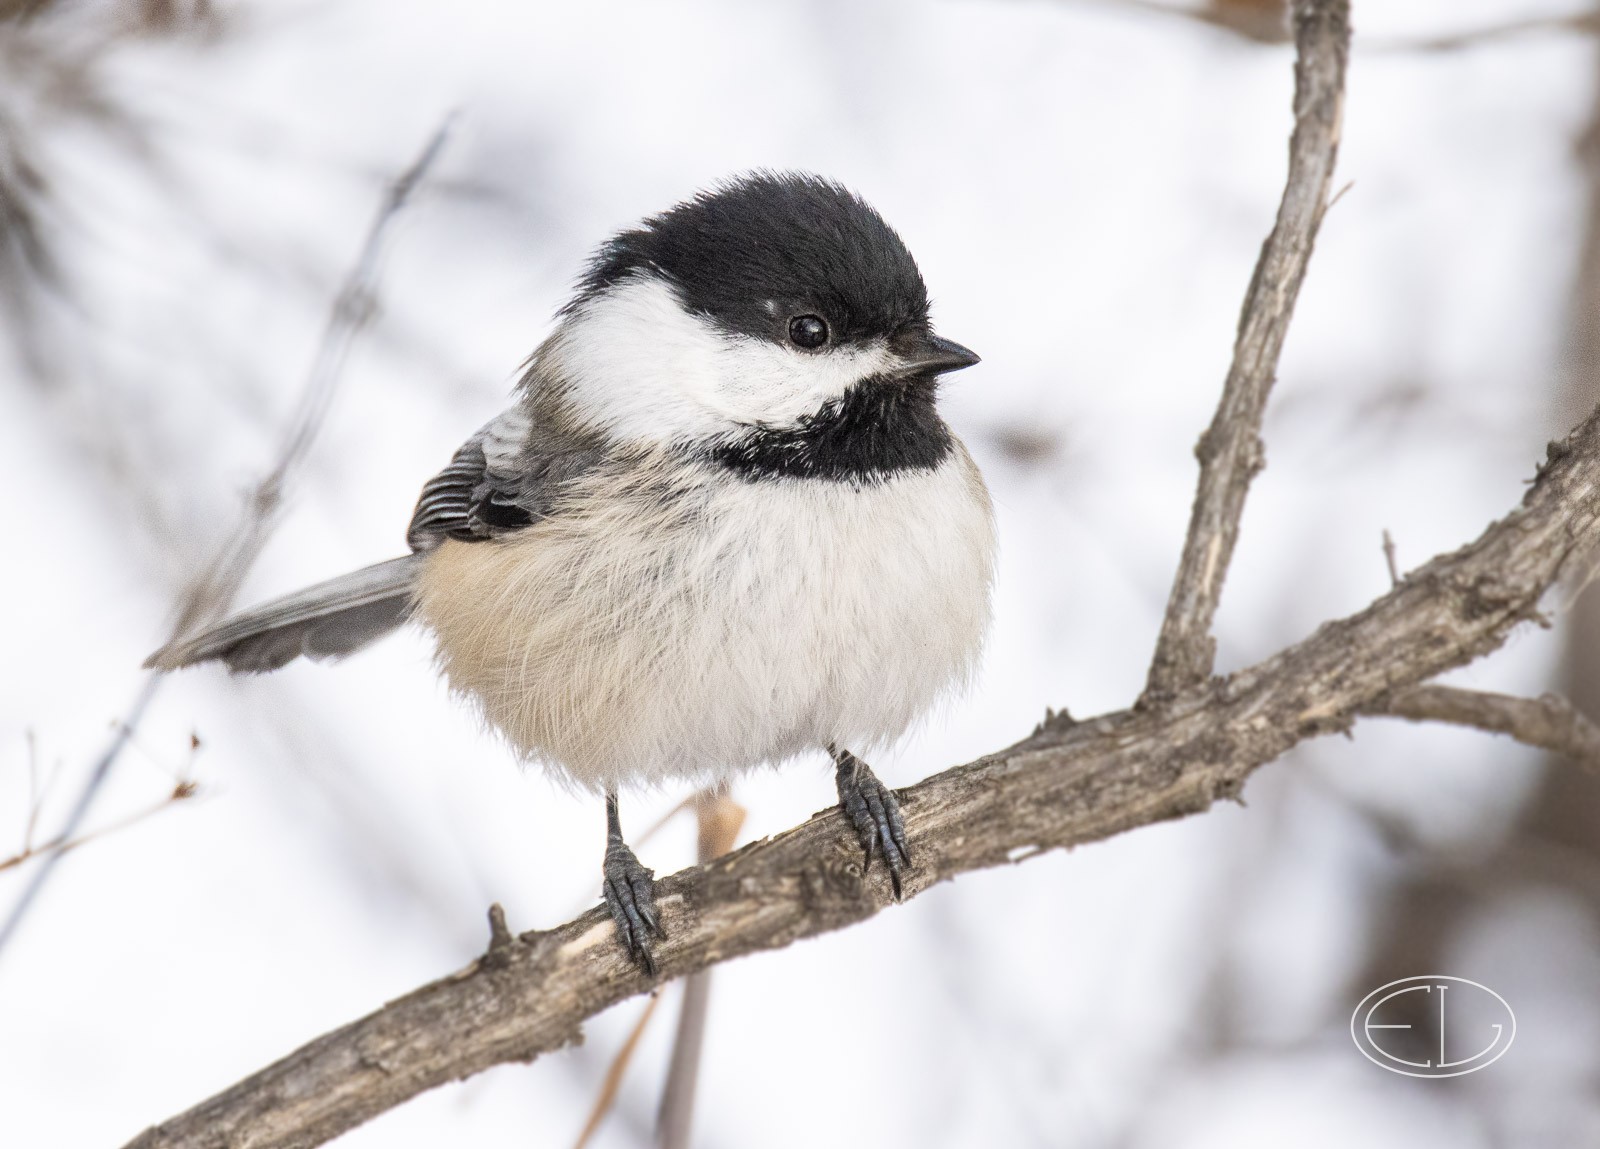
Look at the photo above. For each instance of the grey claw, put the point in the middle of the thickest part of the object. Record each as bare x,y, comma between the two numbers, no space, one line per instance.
874,812
630,896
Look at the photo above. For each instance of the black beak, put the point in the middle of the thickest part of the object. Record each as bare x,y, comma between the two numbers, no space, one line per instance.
926,354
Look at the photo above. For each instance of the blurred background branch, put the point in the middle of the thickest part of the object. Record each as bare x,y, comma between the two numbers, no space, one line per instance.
718,820
210,592
1260,21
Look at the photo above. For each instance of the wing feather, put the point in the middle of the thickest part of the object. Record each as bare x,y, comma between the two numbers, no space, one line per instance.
507,476
478,495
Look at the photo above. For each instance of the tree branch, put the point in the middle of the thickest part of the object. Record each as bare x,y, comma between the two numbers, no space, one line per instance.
1259,21
1065,784
1549,722
720,819
1579,23
1230,451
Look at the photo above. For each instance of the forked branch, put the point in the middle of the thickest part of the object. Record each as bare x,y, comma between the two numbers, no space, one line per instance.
1065,784
1230,451
1549,722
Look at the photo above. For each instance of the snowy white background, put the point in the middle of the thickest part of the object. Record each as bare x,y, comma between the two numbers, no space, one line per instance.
1085,187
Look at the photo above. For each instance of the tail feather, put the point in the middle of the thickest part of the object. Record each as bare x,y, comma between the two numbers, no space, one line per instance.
328,620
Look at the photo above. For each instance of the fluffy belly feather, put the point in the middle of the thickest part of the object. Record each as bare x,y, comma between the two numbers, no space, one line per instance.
665,626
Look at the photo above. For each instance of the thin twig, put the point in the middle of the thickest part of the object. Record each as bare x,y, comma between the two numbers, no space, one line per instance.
1581,23
1065,784
612,1081
675,1117
211,592
1230,451
660,823
1549,722
1261,23
214,589
720,820
1390,558
80,808
1264,24
62,845
36,795
613,1078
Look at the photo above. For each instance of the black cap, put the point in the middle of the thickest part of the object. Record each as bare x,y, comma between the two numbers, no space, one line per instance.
754,253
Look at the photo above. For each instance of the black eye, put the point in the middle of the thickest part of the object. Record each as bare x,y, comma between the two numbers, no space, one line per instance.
808,331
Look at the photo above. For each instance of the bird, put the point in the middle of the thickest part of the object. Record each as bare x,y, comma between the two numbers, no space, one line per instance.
723,524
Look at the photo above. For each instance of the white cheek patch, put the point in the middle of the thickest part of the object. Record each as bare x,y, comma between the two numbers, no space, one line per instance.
762,382
639,367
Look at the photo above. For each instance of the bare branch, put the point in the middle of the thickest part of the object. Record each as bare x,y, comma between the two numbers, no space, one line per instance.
36,792
1230,451
210,593
215,587
1261,21
1549,722
1065,784
80,808
675,1117
613,1078
1578,23
61,845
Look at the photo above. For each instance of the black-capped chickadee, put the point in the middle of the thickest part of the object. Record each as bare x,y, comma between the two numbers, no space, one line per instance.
722,525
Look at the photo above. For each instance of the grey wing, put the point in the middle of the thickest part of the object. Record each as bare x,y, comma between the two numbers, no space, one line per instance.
481,493
329,620
502,479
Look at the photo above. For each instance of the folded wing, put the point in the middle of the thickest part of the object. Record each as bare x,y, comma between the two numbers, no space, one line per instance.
482,494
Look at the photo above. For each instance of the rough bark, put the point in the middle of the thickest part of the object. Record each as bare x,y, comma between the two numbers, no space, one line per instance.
1066,783
1192,740
1230,451
1550,722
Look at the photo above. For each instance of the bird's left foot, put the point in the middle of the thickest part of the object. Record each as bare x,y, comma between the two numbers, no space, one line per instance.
874,812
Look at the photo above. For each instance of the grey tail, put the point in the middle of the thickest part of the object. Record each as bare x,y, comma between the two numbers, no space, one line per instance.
328,620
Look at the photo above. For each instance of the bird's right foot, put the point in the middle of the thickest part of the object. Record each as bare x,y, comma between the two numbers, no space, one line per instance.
630,894
874,813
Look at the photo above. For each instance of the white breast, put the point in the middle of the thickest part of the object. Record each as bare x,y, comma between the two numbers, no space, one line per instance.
668,626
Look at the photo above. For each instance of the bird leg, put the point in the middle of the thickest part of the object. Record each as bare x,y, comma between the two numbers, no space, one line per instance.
874,812
630,893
